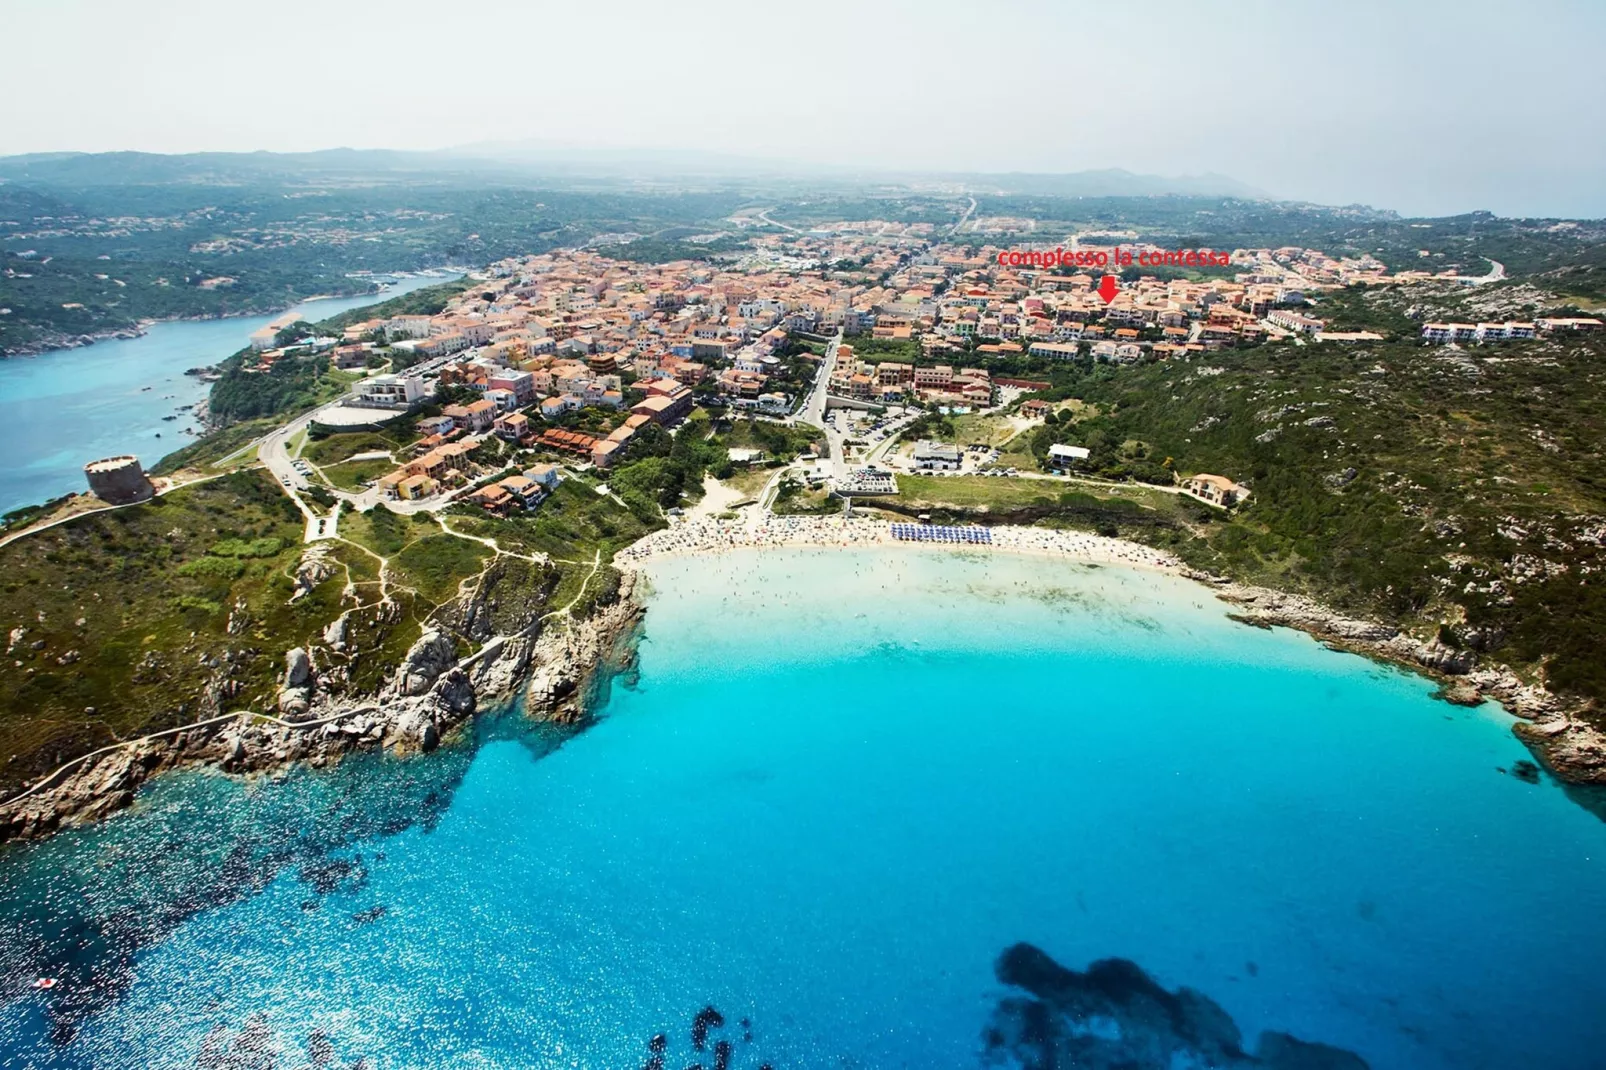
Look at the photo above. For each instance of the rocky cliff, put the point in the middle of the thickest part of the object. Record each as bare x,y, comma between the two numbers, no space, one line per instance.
428,694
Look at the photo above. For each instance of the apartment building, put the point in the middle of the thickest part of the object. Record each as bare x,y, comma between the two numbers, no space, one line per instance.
389,392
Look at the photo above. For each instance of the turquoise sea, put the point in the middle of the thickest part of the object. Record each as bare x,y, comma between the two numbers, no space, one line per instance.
61,409
838,787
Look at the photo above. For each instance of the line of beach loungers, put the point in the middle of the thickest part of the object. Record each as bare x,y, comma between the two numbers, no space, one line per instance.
710,535
939,533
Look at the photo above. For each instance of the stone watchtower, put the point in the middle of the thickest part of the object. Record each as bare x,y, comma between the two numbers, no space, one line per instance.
118,480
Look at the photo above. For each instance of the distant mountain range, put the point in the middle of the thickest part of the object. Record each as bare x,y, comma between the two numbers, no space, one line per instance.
523,162
667,163
1113,182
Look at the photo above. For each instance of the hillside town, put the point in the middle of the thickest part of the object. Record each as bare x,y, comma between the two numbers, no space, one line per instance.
569,355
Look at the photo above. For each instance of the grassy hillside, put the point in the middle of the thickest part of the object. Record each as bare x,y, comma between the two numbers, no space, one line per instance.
129,621
1432,486
111,619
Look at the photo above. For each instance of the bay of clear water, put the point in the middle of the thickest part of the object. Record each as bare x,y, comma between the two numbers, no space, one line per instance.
840,785
62,409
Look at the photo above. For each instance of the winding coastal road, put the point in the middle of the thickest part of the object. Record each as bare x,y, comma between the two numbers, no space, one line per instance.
1497,271
275,452
765,216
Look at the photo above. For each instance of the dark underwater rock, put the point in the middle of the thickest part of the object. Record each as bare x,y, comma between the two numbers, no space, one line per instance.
329,875
1115,1016
706,1019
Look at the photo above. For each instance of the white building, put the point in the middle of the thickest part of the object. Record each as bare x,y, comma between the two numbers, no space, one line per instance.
936,456
407,327
1063,455
390,391
1293,321
1440,333
1552,324
547,475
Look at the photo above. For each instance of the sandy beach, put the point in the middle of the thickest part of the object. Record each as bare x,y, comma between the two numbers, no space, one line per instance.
707,535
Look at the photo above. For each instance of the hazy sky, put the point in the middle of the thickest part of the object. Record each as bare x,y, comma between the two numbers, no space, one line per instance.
1425,107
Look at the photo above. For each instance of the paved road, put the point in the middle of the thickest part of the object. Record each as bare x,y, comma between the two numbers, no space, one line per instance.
813,410
274,452
962,219
765,216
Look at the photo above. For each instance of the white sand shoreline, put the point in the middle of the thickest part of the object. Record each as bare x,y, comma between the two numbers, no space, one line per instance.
1569,745
707,536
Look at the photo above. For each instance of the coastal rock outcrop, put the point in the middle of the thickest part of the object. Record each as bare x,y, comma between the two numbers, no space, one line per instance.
509,599
1563,734
564,659
1448,660
425,698
335,633
320,731
314,567
432,655
103,785
1263,606
1569,745
294,702
414,725
500,671
454,693
297,667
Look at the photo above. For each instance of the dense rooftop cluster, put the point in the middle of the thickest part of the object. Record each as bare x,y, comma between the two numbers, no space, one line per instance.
537,338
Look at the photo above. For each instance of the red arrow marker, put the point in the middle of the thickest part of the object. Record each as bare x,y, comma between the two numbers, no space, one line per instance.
1108,288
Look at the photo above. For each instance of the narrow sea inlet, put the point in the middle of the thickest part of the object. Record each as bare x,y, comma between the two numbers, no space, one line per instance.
838,793
61,409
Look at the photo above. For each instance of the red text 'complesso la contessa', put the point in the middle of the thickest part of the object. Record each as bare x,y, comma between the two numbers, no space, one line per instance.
1101,258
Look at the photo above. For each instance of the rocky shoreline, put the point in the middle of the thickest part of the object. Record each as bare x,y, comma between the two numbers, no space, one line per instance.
1552,727
56,341
430,694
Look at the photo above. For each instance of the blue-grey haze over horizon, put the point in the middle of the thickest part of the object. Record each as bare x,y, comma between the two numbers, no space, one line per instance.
1427,108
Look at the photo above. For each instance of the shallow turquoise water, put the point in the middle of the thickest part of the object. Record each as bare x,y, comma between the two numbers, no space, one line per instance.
843,783
62,409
